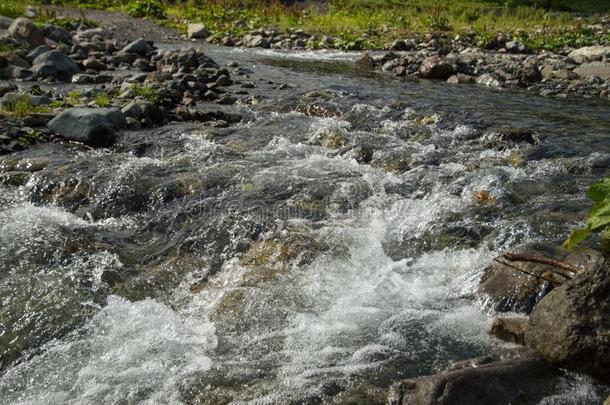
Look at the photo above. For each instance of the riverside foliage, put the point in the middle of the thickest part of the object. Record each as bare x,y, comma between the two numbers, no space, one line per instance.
540,24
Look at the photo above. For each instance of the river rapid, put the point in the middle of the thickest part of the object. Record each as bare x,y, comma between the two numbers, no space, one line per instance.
326,246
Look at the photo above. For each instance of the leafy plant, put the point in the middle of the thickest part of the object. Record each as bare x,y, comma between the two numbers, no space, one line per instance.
147,8
150,94
598,220
102,100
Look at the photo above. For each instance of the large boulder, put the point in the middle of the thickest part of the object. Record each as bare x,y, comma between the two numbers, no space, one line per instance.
57,34
92,126
25,29
56,65
570,327
589,53
435,68
513,377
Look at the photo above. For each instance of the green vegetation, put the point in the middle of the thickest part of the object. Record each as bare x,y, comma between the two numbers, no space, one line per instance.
359,24
598,220
23,107
102,100
151,94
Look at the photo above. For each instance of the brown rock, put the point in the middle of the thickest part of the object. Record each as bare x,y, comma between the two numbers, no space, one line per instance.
510,330
435,68
25,29
514,377
570,327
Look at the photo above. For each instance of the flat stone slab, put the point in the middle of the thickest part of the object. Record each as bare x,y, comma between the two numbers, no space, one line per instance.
599,69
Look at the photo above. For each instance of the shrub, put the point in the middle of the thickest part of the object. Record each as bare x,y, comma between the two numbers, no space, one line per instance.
598,220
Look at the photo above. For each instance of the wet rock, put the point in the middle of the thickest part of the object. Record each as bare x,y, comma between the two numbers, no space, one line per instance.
435,68
513,377
570,327
515,135
147,114
197,31
460,78
529,73
511,290
56,65
24,28
32,164
15,72
139,46
510,330
488,80
365,62
83,78
94,127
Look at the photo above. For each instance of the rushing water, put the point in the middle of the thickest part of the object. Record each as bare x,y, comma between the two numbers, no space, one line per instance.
326,246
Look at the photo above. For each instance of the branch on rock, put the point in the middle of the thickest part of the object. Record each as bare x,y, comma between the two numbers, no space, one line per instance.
539,276
523,257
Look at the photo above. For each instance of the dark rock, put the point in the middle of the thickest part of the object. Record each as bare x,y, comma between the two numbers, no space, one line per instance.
57,34
399,45
570,327
16,60
82,78
15,72
529,73
435,68
140,46
510,330
226,100
94,64
513,377
94,127
224,80
511,290
256,41
515,47
24,28
365,62
515,135
5,22
54,64
36,52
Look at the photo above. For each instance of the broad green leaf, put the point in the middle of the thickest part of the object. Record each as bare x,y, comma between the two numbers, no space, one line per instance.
576,237
599,191
599,216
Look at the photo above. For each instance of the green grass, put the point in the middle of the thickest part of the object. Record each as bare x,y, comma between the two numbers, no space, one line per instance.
23,107
359,24
102,100
150,94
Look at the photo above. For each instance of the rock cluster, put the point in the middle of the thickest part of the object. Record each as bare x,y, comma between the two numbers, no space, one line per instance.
144,86
583,72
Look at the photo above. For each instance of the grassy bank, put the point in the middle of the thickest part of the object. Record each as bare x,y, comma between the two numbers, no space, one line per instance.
362,24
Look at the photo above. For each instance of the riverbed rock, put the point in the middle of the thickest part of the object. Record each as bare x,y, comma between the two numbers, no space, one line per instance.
94,64
11,98
399,45
36,52
256,41
510,330
514,377
5,22
56,65
435,68
92,126
507,289
197,31
570,327
24,28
